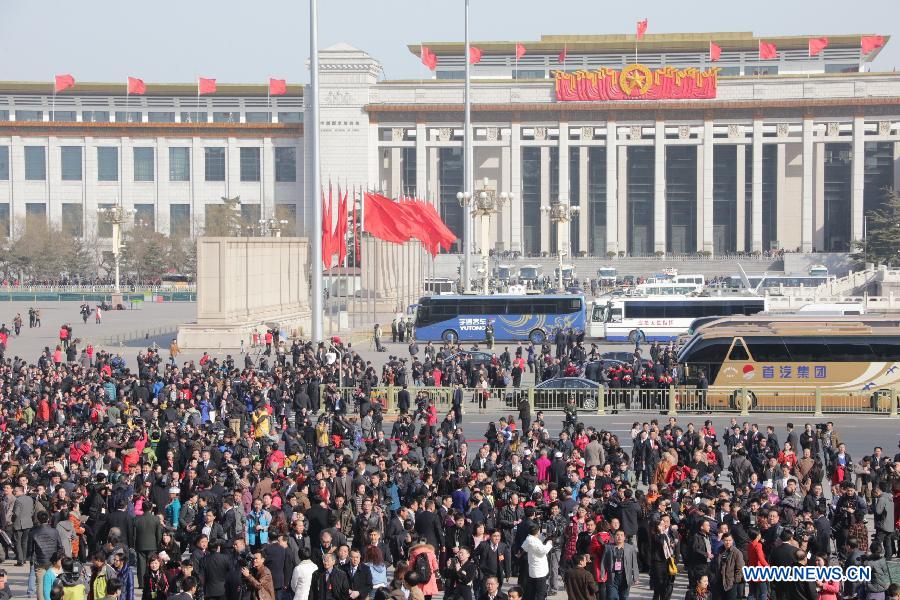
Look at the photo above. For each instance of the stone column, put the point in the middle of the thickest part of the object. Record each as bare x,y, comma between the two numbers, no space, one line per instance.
267,181
396,180
515,186
659,189
612,184
562,235
620,218
504,220
740,216
780,196
858,178
584,218
545,199
53,182
422,189
707,239
806,205
756,201
819,195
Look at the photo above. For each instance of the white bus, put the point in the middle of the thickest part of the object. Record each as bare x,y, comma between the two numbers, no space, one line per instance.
568,273
606,276
695,279
662,318
530,272
666,288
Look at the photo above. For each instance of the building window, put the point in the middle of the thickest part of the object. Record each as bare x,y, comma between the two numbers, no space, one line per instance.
179,164
29,115
160,117
104,225
180,220
286,164
287,212
725,188
4,220
554,196
226,117
107,163
95,116
4,163
408,172
450,75
681,199
597,199
878,176
770,197
641,172
143,164
73,219
531,201
290,117
194,117
35,163
64,116
250,215
129,117
145,216
258,117
841,68
215,164
249,164
838,188
35,216
4,116
761,70
451,182
70,163
529,74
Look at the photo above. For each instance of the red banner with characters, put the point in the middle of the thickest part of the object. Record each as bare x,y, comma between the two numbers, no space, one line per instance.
636,82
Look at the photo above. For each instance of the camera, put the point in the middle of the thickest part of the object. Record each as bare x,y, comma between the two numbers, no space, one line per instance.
821,426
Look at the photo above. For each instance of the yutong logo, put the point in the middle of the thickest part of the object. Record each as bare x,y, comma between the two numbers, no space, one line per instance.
472,324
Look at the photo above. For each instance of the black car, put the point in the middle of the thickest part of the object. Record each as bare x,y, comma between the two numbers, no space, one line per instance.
479,358
553,394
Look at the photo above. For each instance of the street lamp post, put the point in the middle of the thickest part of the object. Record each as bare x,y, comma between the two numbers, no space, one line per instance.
486,205
561,213
465,200
116,215
272,227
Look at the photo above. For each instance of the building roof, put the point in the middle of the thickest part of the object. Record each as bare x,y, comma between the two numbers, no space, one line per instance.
153,89
730,41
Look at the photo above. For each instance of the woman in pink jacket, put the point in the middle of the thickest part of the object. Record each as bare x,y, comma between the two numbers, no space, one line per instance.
430,587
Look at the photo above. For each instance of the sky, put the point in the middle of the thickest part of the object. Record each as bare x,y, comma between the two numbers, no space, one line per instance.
239,41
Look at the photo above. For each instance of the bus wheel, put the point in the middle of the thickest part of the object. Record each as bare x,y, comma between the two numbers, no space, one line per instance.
537,336
450,336
636,335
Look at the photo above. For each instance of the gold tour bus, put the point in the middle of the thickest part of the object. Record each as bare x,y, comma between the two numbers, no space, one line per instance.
781,365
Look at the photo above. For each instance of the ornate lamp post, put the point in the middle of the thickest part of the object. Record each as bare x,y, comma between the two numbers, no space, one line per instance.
561,213
116,215
465,200
486,205
272,227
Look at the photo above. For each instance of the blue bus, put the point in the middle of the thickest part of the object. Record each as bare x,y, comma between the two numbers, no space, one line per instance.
455,318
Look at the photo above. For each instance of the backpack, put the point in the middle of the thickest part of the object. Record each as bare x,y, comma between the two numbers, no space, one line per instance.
422,568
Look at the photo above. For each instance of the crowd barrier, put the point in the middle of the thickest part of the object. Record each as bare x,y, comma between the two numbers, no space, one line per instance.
670,401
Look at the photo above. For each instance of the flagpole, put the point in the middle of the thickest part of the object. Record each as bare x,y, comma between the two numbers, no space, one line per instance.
468,179
317,282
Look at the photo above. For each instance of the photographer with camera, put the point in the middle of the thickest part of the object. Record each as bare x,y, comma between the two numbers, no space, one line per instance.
535,550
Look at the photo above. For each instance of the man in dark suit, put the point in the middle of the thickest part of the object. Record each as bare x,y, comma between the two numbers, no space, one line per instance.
403,400
428,526
493,558
215,568
492,589
329,582
317,516
147,538
119,519
359,575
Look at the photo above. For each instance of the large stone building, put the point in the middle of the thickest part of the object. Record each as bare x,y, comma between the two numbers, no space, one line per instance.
790,152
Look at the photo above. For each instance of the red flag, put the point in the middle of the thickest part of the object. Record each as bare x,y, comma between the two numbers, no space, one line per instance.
206,86
63,83
355,235
326,231
475,55
439,232
563,55
870,43
340,229
715,52
816,45
641,28
385,220
767,51
277,87
429,58
520,51
136,86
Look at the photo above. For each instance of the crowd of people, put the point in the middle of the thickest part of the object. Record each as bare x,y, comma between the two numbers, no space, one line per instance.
268,481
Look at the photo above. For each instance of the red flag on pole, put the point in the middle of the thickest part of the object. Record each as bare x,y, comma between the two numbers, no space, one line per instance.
520,51
715,52
206,86
63,83
326,230
563,55
355,235
641,28
870,43
136,86
429,58
277,87
767,51
816,45
384,219
475,55
340,229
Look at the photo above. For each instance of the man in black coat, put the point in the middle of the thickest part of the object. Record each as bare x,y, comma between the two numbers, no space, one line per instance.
429,527
629,515
329,582
215,569
493,558
119,519
317,516
280,563
359,576
403,400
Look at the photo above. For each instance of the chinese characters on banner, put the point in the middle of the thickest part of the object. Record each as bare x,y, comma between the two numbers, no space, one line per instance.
636,82
789,372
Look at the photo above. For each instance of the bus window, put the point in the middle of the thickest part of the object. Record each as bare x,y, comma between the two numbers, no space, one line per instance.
615,315
768,349
738,351
599,314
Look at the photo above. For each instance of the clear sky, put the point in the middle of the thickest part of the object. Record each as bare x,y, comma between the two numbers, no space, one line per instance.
247,41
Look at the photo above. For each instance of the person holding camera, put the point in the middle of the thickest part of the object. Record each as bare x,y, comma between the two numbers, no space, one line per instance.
536,550
460,575
260,578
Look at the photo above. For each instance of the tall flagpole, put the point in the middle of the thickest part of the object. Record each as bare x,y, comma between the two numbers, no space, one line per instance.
315,184
468,166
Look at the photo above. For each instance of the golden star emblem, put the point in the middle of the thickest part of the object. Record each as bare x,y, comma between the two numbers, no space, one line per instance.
635,80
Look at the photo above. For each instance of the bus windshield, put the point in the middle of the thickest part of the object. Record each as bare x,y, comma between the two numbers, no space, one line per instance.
513,318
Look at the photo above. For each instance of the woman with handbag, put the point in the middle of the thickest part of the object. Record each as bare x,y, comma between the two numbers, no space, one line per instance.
663,550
